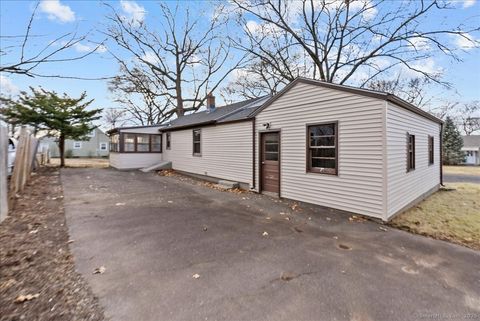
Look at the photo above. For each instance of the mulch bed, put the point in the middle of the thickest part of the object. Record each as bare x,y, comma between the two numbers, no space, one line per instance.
38,280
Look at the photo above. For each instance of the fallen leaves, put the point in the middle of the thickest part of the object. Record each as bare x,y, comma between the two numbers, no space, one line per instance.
119,204
99,270
355,218
265,233
196,276
381,228
22,298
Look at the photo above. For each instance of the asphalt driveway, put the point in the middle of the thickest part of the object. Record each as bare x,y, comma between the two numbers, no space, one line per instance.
153,233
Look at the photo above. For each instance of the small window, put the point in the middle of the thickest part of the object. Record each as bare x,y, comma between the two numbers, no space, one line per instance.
114,146
156,143
103,146
129,142
430,150
322,148
168,139
197,138
143,143
410,152
77,145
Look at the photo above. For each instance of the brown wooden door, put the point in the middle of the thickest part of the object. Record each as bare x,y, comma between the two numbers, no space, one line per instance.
270,162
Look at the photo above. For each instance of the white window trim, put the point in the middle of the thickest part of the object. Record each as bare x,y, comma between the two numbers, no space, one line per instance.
104,144
75,145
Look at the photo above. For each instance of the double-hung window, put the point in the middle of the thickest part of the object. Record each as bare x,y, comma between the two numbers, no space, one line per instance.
322,148
197,145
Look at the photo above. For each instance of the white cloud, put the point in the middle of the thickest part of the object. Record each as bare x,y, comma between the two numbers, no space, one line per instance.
252,26
418,43
57,11
466,42
133,11
427,66
7,86
87,48
468,3
370,11
150,57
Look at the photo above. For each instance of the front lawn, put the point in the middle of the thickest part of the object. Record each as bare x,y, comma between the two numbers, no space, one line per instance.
452,214
462,170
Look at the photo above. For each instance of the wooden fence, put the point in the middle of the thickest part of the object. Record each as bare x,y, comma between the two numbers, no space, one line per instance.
3,173
23,166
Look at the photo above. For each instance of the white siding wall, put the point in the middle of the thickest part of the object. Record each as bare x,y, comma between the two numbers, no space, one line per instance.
226,152
403,187
359,186
134,160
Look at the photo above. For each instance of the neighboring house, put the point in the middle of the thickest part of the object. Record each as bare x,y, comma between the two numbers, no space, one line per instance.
471,147
97,145
342,147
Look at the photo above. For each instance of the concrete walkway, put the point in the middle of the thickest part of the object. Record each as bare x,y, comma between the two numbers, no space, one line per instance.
153,233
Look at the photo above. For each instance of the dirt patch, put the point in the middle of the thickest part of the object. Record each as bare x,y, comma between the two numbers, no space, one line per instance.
451,214
82,162
37,275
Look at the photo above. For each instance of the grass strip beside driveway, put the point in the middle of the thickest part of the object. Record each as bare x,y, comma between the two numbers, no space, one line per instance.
451,214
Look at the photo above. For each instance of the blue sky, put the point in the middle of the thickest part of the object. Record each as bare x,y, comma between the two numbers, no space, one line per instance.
57,17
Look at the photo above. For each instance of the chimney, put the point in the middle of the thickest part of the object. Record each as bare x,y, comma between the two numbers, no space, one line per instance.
210,102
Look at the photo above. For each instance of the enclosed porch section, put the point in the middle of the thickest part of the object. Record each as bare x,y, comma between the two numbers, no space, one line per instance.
135,147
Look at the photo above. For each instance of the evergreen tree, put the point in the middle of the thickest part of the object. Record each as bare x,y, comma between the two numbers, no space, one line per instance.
60,116
452,144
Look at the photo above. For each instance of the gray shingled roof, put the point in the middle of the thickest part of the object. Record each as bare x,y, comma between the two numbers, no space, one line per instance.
237,111
471,141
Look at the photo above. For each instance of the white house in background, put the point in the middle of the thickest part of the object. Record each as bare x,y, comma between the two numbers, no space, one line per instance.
471,147
342,147
97,145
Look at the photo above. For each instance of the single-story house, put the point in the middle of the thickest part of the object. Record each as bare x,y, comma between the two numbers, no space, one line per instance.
471,147
342,147
95,146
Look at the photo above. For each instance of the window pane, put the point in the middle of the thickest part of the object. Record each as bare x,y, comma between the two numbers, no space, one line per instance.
168,140
196,148
143,143
271,156
322,141
323,152
271,138
196,135
323,163
129,142
156,143
271,147
321,130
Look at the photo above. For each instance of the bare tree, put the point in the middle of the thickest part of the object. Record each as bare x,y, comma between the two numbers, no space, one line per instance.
350,41
469,117
29,58
173,70
114,117
412,90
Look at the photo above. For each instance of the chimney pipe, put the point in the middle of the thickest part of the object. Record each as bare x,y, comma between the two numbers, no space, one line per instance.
210,102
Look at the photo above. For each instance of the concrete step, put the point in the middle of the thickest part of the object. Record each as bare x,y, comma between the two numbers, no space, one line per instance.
228,184
162,165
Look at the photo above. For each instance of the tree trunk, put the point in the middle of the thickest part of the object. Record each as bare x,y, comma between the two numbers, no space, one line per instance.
61,147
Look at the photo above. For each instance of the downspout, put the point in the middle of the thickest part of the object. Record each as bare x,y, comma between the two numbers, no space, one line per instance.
253,153
441,154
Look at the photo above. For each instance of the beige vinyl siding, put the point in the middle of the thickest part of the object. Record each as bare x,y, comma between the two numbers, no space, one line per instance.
359,185
226,151
403,187
134,160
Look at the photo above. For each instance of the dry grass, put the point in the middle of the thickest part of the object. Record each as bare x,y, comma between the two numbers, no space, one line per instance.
451,214
462,170
82,162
